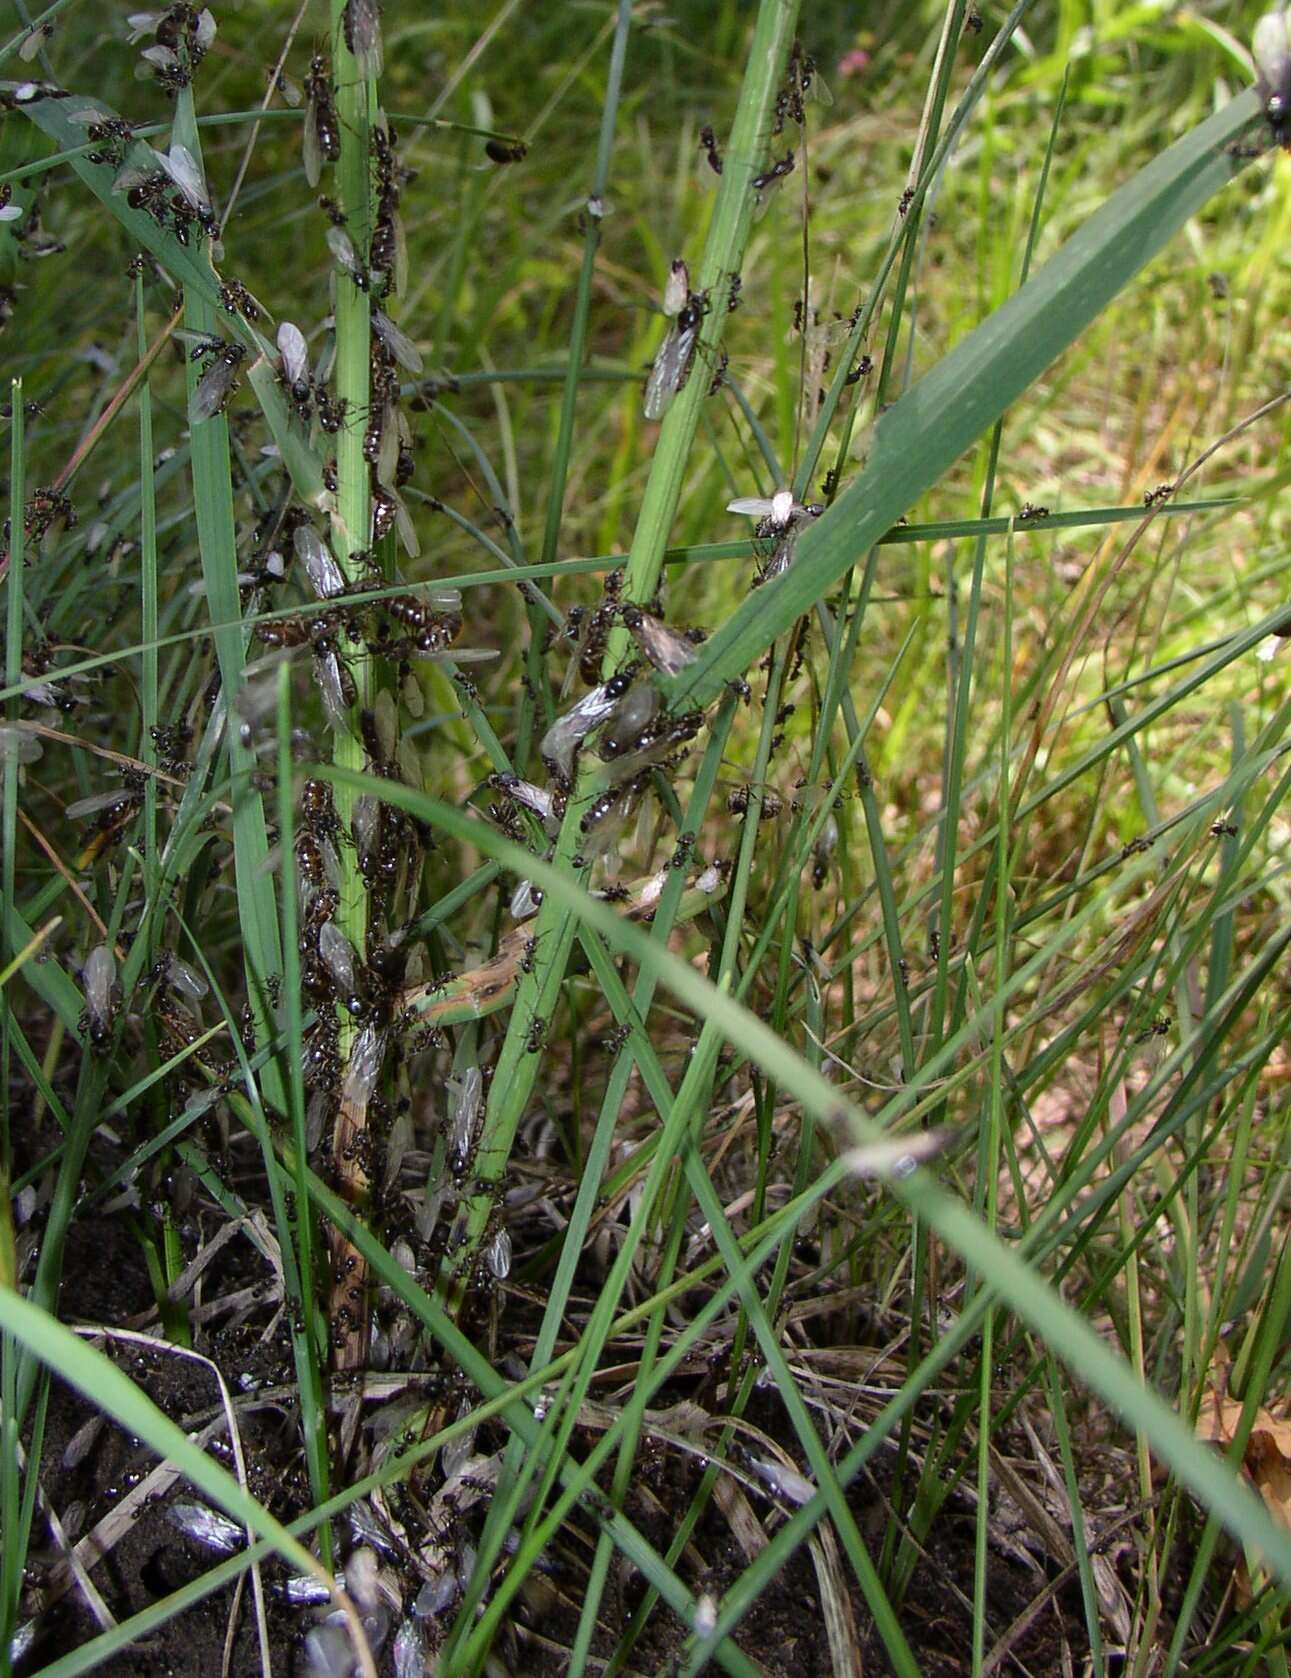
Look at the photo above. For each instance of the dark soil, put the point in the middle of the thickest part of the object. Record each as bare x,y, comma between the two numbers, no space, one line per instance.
106,1284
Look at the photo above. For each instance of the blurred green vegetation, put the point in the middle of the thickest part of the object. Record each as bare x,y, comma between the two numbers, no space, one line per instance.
493,253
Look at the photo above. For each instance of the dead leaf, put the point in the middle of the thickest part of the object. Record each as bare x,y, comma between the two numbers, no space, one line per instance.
1266,1460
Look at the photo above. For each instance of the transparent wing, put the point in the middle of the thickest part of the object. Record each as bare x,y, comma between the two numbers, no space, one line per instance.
96,802
212,391
1271,49
399,277
182,167
320,565
207,1527
332,687
388,454
667,649
677,289
311,149
19,744
401,347
362,24
460,655
406,530
185,979
342,248
338,953
365,1063
817,93
137,174
204,32
294,353
99,975
665,374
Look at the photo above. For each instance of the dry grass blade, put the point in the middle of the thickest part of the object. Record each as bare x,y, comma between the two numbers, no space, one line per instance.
234,1433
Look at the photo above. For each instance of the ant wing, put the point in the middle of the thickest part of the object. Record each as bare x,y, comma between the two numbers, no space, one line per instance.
204,30
677,288
817,92
342,248
579,640
387,460
311,149
399,267
452,655
137,174
212,390
98,976
97,801
666,648
1271,49
405,528
332,687
320,565
185,979
207,1527
401,347
365,1064
17,742
182,167
465,655
361,22
294,353
668,373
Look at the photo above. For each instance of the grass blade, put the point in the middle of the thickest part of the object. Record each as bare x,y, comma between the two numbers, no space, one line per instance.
950,407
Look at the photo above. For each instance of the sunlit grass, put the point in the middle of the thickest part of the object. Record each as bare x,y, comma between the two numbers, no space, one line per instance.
1051,933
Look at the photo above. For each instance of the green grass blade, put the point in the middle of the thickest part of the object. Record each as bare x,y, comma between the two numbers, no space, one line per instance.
114,1393
516,1068
1013,1279
13,1530
212,472
942,415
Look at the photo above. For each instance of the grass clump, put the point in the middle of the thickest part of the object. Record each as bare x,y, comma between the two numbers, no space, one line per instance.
643,1034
